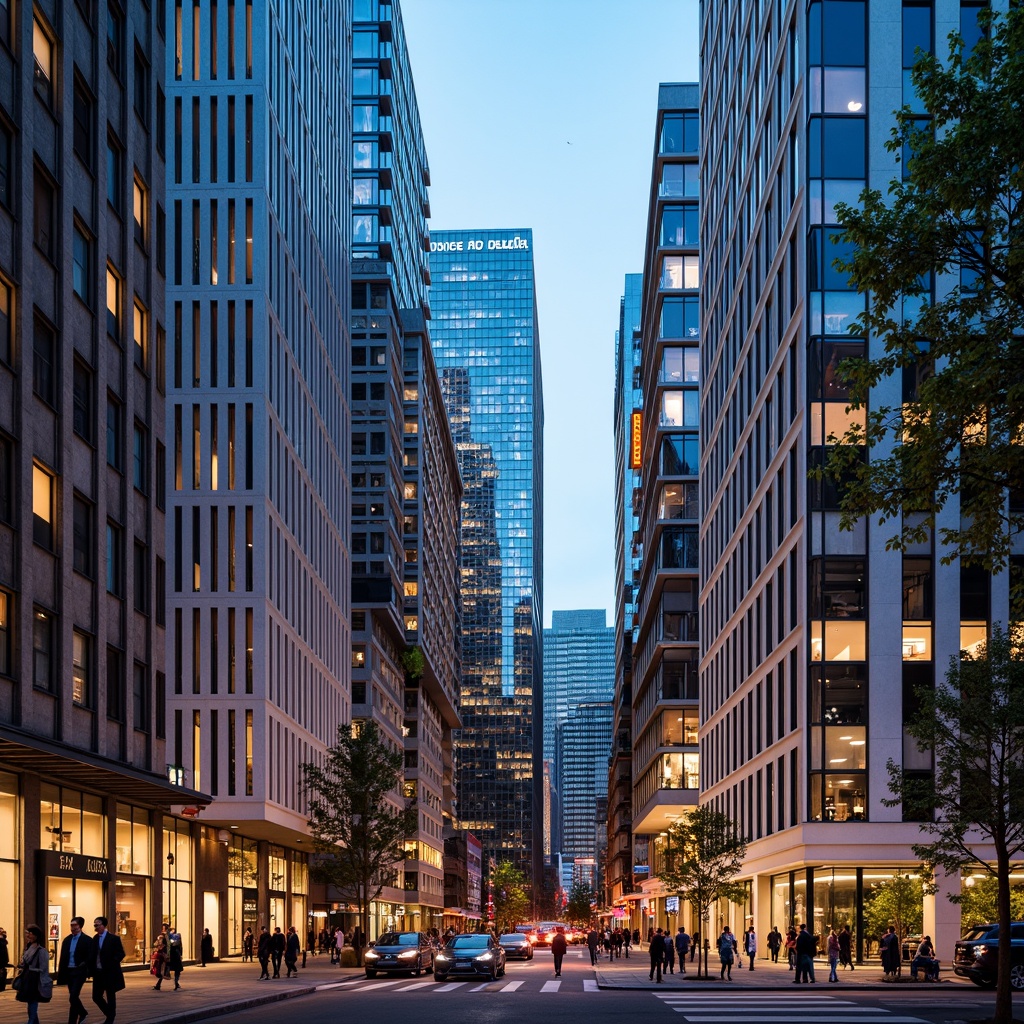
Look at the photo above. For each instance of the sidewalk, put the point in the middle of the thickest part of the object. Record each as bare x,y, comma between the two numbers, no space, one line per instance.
766,976
205,992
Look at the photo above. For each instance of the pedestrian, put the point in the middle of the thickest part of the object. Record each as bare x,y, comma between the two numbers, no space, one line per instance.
751,945
774,943
33,982
657,951
670,953
889,948
845,947
558,947
157,961
339,945
310,945
727,951
805,948
832,950
592,942
617,943
291,952
76,954
636,937
107,976
627,941
263,953
925,961
791,948
175,955
5,959
248,942
682,947
206,948
694,945
277,948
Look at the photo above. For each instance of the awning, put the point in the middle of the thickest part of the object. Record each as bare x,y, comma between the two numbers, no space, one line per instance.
621,901
48,758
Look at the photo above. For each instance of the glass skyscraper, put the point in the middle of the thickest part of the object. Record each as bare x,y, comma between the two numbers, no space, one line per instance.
487,348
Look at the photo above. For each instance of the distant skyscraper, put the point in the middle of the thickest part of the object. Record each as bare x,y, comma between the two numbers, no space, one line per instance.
579,668
259,228
487,348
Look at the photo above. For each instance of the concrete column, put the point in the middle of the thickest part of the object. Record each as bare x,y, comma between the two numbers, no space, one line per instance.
942,917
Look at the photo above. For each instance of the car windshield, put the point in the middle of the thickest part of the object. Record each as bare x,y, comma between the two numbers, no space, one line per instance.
398,939
980,933
470,941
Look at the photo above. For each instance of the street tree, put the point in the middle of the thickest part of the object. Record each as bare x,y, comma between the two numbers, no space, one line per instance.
580,908
979,900
973,801
511,895
357,819
898,901
704,852
940,411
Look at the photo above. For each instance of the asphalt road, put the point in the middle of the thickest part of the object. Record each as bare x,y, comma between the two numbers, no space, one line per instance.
530,991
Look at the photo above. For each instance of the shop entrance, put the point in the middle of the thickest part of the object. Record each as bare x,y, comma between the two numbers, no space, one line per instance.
66,898
211,919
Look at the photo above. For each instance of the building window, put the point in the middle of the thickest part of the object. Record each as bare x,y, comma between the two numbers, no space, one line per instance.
115,571
43,354
139,334
140,577
82,417
6,479
140,698
42,51
82,116
113,305
42,507
42,214
6,165
141,86
6,321
114,173
114,433
81,265
139,211
140,462
81,669
115,685
81,529
115,38
42,650
5,633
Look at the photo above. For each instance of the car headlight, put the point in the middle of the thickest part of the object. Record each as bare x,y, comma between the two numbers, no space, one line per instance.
486,957
409,954
980,951
370,955
442,958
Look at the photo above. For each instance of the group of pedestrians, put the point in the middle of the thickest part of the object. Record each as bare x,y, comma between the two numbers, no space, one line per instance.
272,949
80,958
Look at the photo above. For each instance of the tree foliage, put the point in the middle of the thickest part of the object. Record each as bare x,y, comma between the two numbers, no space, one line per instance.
898,901
979,901
952,222
580,908
358,823
511,894
703,854
974,728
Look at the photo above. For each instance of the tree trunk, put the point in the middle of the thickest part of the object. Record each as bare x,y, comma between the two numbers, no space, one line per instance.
1004,997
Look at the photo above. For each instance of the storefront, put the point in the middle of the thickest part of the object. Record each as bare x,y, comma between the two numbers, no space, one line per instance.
10,880
133,860
177,883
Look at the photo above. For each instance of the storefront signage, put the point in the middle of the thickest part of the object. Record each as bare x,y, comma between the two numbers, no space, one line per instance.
73,865
636,448
479,244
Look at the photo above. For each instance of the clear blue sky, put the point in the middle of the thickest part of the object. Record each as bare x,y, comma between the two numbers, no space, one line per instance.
541,114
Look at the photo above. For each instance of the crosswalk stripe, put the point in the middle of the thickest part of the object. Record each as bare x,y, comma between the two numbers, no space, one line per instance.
510,987
550,986
589,985
450,987
480,988
415,987
746,1018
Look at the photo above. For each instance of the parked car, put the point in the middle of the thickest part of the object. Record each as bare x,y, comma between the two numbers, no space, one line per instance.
976,955
400,951
517,946
478,955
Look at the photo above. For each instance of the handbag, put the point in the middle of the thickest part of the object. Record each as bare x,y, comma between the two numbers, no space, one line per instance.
16,984
45,987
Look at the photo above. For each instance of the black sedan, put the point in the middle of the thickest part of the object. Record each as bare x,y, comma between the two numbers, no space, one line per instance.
517,946
411,952
475,955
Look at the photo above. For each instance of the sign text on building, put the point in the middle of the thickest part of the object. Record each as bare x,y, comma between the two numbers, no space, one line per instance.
479,244
636,448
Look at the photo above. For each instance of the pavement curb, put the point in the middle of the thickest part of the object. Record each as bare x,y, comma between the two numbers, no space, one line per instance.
207,1012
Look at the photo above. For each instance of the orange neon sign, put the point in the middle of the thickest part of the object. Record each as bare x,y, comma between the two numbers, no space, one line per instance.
636,448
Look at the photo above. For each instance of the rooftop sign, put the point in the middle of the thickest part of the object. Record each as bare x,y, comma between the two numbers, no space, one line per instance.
479,244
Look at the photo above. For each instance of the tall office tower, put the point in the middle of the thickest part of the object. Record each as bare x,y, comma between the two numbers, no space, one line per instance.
582,741
405,478
665,654
579,668
258,197
813,638
84,800
618,871
487,347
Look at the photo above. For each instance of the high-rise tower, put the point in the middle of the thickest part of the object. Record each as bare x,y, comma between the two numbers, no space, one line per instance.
487,347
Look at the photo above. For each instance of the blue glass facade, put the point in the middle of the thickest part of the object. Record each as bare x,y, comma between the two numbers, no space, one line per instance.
487,348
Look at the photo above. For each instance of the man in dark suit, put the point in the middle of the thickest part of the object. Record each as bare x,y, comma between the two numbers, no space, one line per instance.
76,956
277,948
107,976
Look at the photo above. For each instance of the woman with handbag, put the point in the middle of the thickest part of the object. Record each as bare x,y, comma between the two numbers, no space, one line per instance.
33,983
159,960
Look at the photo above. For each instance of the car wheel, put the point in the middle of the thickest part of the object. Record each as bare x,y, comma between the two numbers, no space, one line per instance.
440,977
501,971
371,974
417,970
1017,977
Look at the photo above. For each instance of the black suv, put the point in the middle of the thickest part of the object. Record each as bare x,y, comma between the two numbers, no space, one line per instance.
977,953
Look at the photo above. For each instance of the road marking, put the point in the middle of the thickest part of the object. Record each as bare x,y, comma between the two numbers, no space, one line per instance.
510,987
589,985
746,1018
480,988
550,986
374,983
450,987
416,987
